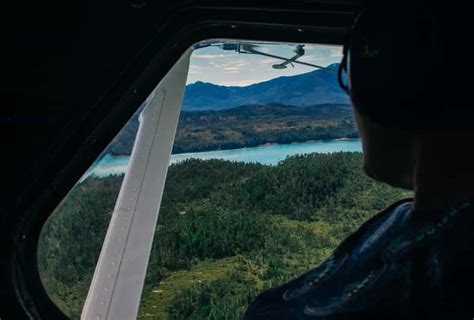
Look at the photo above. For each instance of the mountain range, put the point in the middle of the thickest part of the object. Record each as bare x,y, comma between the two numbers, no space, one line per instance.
285,109
307,89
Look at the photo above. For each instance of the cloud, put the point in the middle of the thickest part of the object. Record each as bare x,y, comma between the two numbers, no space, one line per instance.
311,57
242,64
211,64
325,52
210,56
230,64
268,60
240,83
336,52
232,69
196,67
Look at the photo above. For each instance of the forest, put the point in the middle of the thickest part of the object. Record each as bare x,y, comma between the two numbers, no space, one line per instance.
226,231
250,126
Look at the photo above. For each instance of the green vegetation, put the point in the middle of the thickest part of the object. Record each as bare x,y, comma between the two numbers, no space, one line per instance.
250,126
226,231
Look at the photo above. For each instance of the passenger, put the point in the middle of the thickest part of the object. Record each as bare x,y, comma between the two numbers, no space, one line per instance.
411,102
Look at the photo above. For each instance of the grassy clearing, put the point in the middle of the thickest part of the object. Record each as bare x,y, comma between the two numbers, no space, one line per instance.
155,301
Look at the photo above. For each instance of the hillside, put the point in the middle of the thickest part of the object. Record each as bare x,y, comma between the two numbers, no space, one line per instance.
226,231
312,88
249,126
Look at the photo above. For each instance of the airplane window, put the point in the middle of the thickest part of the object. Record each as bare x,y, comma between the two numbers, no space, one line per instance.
265,180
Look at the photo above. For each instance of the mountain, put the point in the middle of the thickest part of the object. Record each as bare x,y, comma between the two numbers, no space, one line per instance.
312,88
279,101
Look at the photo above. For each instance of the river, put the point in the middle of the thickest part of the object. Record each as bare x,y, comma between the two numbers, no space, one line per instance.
269,155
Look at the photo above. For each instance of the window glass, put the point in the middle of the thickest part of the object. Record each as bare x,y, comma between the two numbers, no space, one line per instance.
72,237
265,181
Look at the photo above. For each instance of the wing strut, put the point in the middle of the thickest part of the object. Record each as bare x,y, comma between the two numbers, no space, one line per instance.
117,284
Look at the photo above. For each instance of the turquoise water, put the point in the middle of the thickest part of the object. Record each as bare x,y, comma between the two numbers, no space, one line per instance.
270,155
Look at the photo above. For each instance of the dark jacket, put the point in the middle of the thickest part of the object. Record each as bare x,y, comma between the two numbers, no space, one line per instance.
398,265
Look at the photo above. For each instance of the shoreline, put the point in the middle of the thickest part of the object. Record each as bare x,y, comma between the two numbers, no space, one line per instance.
118,164
268,144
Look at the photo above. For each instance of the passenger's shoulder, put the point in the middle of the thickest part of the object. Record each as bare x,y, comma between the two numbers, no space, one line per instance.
354,280
393,267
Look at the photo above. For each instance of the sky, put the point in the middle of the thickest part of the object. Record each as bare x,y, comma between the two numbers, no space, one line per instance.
230,68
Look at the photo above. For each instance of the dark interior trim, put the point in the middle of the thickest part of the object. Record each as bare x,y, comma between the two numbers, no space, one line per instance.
77,142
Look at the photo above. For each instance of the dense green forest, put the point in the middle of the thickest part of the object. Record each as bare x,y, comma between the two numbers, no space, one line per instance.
226,231
250,126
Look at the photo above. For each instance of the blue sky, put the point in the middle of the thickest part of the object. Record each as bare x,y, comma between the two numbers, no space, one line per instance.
229,68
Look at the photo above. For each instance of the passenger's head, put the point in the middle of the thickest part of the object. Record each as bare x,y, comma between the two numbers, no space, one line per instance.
404,78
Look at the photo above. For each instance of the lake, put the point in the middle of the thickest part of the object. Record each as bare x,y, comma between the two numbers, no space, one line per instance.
269,155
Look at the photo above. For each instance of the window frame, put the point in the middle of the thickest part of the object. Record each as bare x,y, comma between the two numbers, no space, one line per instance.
106,119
